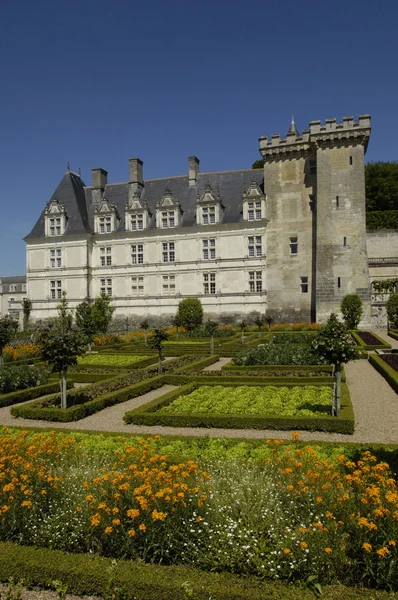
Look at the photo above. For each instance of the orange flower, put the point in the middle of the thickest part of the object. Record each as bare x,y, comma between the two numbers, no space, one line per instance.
286,550
382,552
328,550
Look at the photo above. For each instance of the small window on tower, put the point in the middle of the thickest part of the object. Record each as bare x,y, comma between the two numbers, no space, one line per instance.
351,161
339,282
293,245
345,241
337,201
304,284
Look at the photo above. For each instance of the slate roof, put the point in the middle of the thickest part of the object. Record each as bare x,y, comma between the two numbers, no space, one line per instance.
77,198
17,280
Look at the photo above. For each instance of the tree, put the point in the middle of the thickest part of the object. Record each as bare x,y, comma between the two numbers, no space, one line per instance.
61,346
177,323
258,164
85,321
242,325
6,330
211,328
352,309
336,346
190,311
259,322
392,310
381,183
102,313
269,320
156,342
145,326
26,309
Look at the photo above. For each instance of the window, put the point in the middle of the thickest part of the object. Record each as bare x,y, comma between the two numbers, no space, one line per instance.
351,160
137,222
168,252
11,300
254,211
339,282
105,224
293,245
168,218
24,288
55,225
304,285
312,167
344,241
106,256
255,246
209,249
255,281
55,289
209,283
337,201
137,285
106,287
56,258
168,284
13,288
137,254
208,215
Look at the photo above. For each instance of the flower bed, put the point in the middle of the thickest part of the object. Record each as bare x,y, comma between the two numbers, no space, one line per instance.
22,352
367,340
114,360
388,372
277,354
19,377
249,400
391,360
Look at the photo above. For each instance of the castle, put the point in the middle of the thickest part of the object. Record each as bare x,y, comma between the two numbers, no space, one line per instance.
288,240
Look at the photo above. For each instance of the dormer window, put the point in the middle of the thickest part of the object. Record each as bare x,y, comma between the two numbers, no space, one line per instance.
253,203
137,222
168,212
55,218
106,217
137,215
209,209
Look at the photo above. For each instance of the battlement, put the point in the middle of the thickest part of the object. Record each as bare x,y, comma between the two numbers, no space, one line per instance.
331,132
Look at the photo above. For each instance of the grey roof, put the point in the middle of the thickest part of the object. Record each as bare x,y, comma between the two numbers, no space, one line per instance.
17,280
77,199
293,128
13,279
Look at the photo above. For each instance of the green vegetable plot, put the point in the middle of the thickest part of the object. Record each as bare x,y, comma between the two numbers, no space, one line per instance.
110,360
256,401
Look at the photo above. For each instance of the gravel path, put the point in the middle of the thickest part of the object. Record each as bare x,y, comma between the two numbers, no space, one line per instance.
387,338
375,407
217,365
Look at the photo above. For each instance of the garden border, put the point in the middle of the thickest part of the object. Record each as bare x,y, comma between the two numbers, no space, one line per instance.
389,374
51,387
363,346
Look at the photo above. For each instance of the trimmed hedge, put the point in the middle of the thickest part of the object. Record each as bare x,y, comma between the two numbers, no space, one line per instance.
31,393
385,370
393,334
49,410
87,377
139,364
363,346
85,574
198,365
296,369
147,415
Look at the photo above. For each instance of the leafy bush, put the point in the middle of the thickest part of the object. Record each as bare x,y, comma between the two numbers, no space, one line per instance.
392,309
20,377
352,309
190,313
277,354
293,338
249,400
382,219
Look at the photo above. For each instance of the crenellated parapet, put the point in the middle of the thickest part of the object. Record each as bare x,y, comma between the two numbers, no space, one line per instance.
328,135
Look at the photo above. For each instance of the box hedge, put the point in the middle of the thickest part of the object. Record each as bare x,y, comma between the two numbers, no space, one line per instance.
389,374
363,346
31,393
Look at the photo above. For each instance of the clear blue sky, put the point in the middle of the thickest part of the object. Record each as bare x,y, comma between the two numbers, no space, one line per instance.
97,82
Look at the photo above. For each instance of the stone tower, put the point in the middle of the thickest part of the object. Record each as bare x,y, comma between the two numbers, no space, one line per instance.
315,204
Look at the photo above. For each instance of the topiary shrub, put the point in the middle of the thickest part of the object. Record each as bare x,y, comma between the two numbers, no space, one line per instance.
392,310
352,309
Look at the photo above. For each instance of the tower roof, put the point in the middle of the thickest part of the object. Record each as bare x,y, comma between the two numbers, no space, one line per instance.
293,128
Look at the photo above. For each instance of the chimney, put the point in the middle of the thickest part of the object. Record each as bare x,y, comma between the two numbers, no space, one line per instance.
136,171
99,179
193,169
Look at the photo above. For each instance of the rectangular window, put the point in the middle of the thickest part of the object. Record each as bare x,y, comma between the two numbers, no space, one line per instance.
137,285
337,201
137,222
293,245
24,288
254,211
106,256
344,241
339,282
304,285
56,290
168,285
106,287
55,226
254,245
168,252
209,249
208,215
209,283
137,254
351,160
255,282
56,258
105,224
13,288
312,167
168,219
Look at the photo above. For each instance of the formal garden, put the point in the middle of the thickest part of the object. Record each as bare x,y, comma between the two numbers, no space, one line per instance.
194,516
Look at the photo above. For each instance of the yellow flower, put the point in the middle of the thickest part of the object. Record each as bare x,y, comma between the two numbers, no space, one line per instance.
392,543
319,500
286,550
367,547
328,550
158,516
115,521
142,527
303,545
108,530
295,435
133,513
27,503
383,551
115,510
95,520
131,532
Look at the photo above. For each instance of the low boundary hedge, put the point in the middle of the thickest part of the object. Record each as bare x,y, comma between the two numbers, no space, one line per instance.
363,346
393,334
139,364
385,370
299,369
198,365
147,415
31,393
77,377
85,574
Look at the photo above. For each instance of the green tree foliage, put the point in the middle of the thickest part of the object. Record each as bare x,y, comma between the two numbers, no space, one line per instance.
210,329
6,331
85,321
352,309
190,311
392,310
259,322
382,219
258,164
145,326
242,324
26,309
102,313
177,323
269,320
156,343
335,345
61,346
381,180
